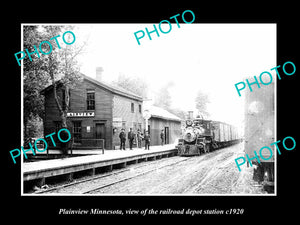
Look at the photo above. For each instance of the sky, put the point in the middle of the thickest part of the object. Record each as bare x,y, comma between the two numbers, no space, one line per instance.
207,57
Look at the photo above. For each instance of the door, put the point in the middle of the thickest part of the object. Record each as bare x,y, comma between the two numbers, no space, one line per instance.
100,133
167,137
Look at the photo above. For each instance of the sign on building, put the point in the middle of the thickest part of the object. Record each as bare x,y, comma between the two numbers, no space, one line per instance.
80,114
117,122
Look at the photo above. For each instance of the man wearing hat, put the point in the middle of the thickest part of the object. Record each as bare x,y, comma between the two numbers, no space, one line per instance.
131,136
122,137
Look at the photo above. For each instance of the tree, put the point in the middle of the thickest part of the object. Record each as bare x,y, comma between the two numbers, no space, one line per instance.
133,84
57,67
61,65
163,98
201,103
178,112
34,79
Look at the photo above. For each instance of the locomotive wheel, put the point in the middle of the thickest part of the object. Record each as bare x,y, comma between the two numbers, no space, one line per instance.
215,146
199,150
207,148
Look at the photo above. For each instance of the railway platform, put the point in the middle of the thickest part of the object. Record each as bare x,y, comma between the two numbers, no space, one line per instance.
38,172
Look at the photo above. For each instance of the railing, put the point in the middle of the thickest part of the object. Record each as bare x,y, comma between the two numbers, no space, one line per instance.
82,144
87,143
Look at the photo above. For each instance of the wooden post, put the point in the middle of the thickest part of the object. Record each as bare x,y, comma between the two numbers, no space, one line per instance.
40,182
103,144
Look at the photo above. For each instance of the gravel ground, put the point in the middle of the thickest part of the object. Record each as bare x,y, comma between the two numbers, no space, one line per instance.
213,173
116,175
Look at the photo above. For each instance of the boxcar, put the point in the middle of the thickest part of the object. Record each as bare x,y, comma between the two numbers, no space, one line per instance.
202,136
224,134
259,130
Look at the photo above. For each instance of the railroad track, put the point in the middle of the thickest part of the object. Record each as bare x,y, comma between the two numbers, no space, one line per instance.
131,177
98,177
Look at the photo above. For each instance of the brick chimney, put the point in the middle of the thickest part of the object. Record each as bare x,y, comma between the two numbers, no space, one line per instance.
99,71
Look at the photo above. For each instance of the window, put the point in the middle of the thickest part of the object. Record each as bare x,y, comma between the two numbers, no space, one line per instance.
132,107
90,100
77,131
140,108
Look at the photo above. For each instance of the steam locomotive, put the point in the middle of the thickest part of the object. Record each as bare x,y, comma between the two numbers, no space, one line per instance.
202,136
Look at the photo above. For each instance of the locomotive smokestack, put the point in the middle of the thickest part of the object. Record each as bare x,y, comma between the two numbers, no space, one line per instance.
190,115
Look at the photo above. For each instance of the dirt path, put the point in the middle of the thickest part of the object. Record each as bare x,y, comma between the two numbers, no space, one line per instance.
213,173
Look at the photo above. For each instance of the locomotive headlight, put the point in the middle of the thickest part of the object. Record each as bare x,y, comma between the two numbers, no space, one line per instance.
189,135
189,123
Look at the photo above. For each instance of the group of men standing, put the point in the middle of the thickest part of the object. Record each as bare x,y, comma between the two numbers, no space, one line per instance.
131,136
139,138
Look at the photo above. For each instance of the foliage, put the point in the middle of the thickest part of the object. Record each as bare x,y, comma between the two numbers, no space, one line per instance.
133,84
34,79
178,112
35,127
163,98
201,103
42,71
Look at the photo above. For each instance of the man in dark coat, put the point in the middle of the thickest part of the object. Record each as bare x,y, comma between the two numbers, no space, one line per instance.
162,137
147,140
122,137
139,137
130,138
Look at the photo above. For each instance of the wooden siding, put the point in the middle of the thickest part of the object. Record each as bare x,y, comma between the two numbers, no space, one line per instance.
103,111
122,110
157,124
108,105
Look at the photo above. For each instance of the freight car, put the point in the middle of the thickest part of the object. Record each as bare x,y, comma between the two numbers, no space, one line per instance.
259,131
201,136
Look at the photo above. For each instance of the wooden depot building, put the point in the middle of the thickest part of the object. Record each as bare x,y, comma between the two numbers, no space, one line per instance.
161,119
97,112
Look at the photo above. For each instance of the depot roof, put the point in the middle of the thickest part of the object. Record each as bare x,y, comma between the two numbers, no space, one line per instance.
157,112
113,88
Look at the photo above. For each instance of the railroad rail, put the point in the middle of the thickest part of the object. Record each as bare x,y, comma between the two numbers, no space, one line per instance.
95,178
131,177
38,173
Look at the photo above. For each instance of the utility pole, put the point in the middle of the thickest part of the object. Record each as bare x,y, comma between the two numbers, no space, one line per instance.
146,112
